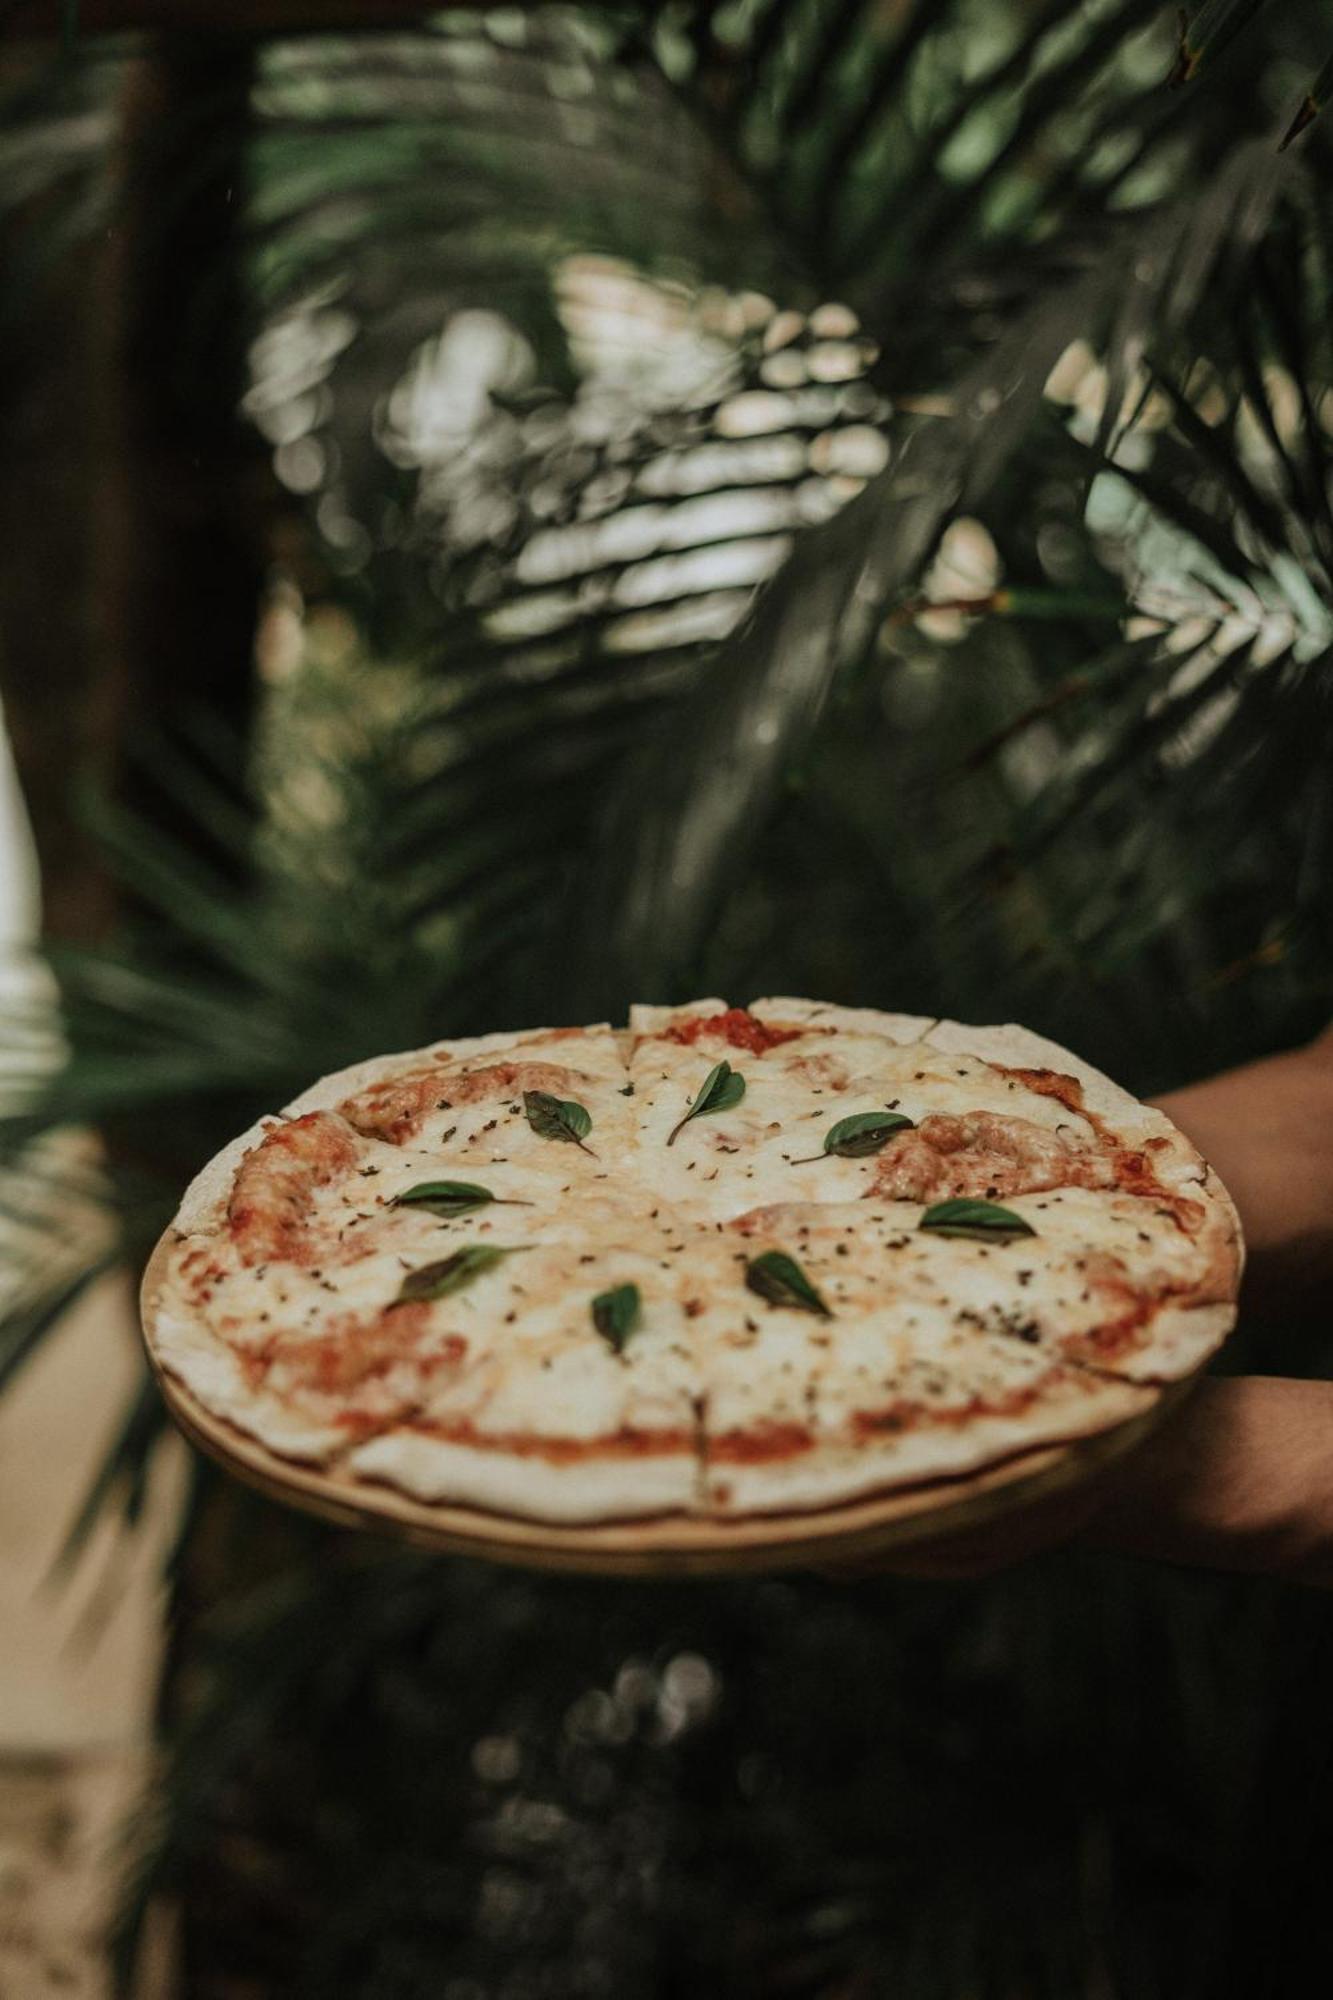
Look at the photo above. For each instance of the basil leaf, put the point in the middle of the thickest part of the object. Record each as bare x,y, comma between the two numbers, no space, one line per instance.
558,1118
436,1281
780,1279
616,1314
984,1220
722,1087
449,1198
857,1137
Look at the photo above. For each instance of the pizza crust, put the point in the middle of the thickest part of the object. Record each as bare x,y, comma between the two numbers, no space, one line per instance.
901,1028
834,1472
336,1088
435,1469
1183,1338
204,1202
1021,1049
651,1020
213,1373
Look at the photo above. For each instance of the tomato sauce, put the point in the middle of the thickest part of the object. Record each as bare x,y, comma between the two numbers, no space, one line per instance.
907,1415
1133,1168
764,1442
736,1026
627,1442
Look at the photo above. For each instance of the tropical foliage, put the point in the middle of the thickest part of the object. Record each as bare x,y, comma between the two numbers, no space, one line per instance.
805,495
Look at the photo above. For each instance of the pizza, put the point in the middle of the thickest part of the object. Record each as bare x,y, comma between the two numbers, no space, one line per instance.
726,1262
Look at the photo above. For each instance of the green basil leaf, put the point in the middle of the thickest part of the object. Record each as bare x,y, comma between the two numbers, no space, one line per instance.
558,1118
450,1198
857,1137
616,1314
984,1220
722,1088
780,1279
436,1281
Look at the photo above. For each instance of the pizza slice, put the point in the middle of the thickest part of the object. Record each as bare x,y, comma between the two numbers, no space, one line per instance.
724,1101
813,1392
571,1392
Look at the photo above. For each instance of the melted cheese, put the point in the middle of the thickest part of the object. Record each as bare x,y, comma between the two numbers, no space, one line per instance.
760,1150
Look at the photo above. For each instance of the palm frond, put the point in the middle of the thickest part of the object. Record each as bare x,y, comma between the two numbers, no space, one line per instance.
1208,499
902,151
122,1477
692,806
1206,32
1310,106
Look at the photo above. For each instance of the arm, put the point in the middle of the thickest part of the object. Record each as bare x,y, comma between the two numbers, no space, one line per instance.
1242,1477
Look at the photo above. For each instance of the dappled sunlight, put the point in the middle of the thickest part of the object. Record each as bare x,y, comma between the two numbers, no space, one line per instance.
668,485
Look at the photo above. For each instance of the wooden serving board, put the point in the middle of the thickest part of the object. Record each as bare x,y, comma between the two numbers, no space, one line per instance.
669,1545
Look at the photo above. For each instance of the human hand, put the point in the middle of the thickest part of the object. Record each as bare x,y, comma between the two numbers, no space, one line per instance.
1240,1477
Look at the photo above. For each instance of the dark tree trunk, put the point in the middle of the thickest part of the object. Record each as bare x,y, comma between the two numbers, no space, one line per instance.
192,546
134,551
62,484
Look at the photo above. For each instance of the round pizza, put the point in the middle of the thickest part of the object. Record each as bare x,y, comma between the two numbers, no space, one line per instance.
728,1262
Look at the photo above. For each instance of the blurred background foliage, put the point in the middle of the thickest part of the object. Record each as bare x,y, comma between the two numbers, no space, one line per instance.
517,510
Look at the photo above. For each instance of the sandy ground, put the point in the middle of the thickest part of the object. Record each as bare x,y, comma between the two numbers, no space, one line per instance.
77,1658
